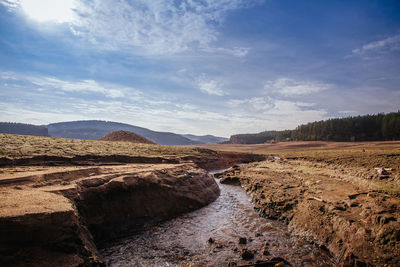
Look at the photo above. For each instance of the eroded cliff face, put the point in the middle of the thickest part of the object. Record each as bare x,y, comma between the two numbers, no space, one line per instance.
55,211
56,215
356,223
116,206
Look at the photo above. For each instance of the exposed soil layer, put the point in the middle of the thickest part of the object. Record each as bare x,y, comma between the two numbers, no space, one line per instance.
227,232
126,136
55,210
340,207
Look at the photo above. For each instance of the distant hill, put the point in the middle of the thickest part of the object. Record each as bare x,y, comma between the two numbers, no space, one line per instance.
206,139
95,129
22,128
126,136
379,127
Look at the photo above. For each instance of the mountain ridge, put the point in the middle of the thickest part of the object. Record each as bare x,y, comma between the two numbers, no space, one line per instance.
95,129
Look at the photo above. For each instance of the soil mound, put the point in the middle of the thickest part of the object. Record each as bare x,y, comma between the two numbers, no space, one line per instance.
126,136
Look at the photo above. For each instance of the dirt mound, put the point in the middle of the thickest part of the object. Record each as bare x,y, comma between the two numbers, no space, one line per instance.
126,136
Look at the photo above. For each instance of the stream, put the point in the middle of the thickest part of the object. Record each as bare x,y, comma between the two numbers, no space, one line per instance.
185,240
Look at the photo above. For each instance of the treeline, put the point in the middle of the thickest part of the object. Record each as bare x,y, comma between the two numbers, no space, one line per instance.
378,127
22,128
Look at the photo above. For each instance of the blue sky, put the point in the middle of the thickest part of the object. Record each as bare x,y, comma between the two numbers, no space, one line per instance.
198,66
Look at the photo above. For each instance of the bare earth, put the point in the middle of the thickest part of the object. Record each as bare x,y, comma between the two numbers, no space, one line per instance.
332,192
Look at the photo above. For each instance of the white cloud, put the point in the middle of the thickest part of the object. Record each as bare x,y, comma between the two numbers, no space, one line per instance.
288,87
257,103
144,109
44,83
154,27
209,86
347,112
390,43
78,86
10,4
236,51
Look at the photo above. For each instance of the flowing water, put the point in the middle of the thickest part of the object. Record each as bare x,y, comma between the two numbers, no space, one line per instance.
184,241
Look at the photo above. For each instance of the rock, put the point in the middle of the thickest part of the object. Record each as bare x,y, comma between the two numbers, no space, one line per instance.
265,252
230,180
382,171
242,240
247,254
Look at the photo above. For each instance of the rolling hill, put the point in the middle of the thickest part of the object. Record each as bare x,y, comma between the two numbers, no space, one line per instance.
206,139
95,129
23,128
125,136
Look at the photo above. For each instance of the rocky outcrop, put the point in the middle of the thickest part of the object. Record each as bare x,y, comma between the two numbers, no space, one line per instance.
358,225
111,207
39,228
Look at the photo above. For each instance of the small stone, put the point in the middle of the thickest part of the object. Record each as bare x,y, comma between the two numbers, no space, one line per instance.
242,240
265,252
247,254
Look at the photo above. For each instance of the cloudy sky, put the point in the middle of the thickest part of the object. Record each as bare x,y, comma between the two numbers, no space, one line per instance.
198,66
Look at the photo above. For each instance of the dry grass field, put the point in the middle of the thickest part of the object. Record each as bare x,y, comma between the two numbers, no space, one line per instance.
349,154
359,159
25,146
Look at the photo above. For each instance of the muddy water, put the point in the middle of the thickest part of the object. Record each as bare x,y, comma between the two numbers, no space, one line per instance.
183,241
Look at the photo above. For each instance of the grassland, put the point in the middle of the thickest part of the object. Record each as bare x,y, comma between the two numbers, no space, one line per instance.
24,146
348,154
357,159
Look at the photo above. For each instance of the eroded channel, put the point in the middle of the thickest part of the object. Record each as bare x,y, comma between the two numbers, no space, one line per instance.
185,240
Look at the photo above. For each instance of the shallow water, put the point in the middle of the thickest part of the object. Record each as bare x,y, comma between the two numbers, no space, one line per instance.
183,241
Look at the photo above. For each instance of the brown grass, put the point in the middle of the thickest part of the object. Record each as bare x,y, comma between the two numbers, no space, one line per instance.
24,146
348,154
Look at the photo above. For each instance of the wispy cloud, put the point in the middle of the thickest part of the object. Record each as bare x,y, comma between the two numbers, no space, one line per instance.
266,113
289,87
155,27
236,51
209,86
390,43
43,83
79,86
347,112
257,103
10,4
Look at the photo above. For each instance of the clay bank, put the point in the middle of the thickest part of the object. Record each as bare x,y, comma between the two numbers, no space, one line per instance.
57,210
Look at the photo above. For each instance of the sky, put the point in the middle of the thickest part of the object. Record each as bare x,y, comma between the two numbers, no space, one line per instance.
198,66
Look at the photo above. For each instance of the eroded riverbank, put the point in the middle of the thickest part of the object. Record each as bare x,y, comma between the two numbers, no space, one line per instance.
59,214
340,207
212,235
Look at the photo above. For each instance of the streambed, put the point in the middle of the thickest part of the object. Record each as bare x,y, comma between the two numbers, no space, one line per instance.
185,240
